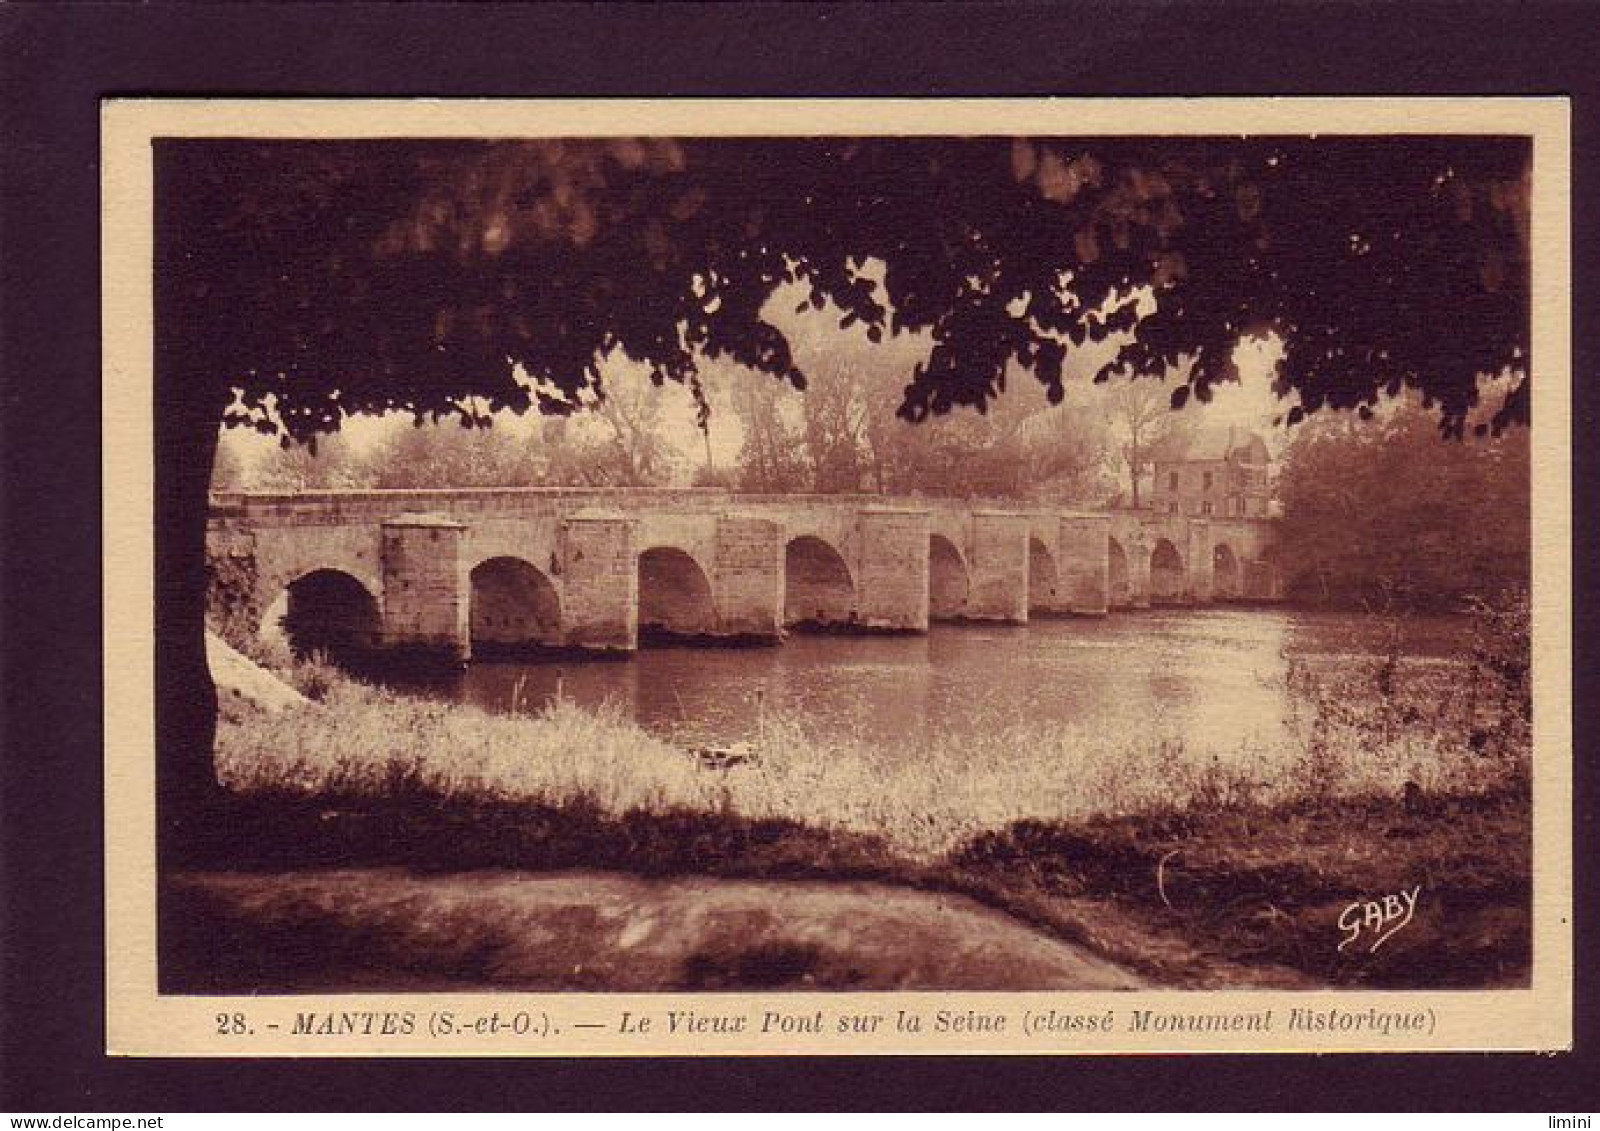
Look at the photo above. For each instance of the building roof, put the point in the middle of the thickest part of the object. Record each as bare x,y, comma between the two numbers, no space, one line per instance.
1207,443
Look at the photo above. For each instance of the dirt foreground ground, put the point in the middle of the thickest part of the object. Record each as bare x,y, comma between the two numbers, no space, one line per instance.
333,930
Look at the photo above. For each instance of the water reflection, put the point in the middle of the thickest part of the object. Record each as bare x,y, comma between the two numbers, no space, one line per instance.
1215,677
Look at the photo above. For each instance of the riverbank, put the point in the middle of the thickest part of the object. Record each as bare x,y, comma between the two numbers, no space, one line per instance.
1188,873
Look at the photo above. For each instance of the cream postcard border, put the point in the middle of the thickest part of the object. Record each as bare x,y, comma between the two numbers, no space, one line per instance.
141,1022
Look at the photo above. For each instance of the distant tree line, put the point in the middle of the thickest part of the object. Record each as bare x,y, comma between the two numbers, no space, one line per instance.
622,446
841,436
1383,513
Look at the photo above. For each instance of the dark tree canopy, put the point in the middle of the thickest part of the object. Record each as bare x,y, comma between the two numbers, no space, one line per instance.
334,277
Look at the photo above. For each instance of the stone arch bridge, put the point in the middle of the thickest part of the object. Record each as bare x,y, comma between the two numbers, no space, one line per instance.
464,573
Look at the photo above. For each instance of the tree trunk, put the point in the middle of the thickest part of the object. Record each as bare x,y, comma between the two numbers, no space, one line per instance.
186,699
189,398
1134,459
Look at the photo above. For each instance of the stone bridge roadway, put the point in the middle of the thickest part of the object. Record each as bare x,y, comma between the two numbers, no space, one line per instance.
463,573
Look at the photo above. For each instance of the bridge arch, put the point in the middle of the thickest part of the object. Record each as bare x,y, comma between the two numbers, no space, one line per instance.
948,582
512,607
327,611
1166,572
1043,579
818,590
674,595
1119,586
1226,573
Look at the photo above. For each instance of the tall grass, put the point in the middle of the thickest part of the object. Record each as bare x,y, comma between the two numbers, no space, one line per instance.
1457,725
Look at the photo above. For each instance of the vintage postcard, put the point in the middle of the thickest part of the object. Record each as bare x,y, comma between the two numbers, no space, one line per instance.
678,578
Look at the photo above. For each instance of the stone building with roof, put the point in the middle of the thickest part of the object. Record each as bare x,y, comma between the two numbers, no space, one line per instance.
1213,472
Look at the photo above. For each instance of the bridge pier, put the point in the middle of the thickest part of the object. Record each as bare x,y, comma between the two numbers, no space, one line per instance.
892,569
748,577
1200,562
600,581
1139,569
1085,563
425,588
998,565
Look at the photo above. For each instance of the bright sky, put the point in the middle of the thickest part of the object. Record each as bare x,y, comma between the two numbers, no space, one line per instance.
1251,403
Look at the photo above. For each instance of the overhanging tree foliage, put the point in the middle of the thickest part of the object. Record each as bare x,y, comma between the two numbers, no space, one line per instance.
361,276
319,279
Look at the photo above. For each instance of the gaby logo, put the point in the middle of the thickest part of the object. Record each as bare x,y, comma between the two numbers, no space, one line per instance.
1378,919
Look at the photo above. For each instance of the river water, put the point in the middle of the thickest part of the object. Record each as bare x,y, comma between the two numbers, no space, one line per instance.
1215,676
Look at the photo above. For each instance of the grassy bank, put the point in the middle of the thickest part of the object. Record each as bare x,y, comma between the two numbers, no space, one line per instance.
1362,732
1219,868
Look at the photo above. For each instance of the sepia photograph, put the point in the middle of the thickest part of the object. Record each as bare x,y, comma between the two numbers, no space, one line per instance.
807,556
